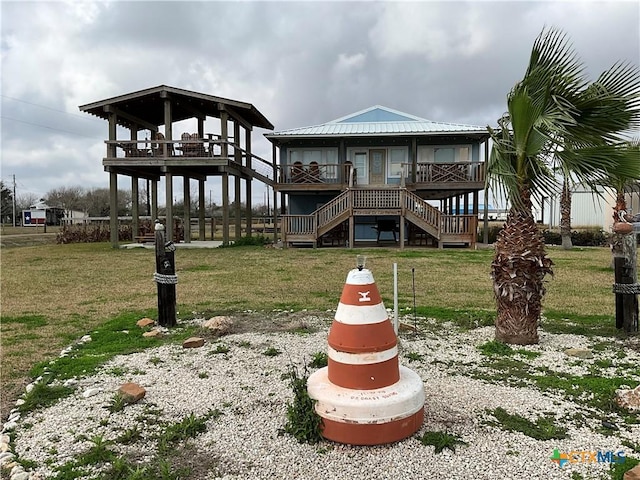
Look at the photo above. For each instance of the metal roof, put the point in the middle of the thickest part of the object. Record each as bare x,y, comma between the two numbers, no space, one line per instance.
378,121
148,106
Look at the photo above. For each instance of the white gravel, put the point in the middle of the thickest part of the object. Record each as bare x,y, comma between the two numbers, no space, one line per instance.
248,388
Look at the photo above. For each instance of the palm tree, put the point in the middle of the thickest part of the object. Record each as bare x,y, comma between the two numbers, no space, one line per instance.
565,215
556,121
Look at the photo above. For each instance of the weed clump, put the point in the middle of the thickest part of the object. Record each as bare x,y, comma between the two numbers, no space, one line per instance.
542,429
441,440
302,420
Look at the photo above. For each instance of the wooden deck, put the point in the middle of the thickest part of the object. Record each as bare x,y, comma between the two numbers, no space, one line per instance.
398,202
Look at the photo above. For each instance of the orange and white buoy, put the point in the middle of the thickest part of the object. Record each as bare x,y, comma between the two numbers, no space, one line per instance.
363,395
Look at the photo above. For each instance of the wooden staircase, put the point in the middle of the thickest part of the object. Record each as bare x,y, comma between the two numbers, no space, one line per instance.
379,202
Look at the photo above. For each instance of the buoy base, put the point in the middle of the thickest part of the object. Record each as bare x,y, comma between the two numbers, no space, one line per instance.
368,417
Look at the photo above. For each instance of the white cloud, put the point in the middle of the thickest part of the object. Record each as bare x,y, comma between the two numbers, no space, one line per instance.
299,63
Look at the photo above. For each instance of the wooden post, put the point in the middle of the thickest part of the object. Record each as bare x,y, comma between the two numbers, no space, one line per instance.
624,250
166,278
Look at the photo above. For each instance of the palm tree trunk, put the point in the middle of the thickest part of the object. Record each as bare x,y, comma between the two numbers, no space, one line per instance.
565,216
518,270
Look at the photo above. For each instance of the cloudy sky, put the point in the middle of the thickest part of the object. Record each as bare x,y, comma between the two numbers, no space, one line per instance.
299,63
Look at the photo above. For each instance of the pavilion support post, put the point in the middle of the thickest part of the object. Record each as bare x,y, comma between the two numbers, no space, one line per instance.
154,199
167,149
113,208
169,206
485,221
237,158
186,185
248,189
201,212
275,215
352,228
237,207
225,208
135,208
165,277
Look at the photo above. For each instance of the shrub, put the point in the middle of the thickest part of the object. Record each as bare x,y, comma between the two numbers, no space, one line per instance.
90,233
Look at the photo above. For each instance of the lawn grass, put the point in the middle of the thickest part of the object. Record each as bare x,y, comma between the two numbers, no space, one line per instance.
53,294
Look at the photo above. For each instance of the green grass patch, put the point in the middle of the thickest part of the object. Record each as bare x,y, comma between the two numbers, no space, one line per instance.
589,390
319,360
188,427
107,341
32,321
588,325
543,428
617,470
465,319
198,268
43,394
494,347
441,440
271,352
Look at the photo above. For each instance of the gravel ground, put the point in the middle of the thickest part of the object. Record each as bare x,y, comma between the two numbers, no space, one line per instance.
249,390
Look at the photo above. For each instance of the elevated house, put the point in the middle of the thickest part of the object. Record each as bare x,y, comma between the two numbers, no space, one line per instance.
380,175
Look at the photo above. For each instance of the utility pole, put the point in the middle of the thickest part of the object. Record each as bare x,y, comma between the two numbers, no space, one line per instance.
14,199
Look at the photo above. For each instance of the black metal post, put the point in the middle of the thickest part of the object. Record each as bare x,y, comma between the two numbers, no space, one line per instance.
165,277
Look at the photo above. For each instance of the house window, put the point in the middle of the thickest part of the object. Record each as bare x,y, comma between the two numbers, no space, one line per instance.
360,164
444,154
397,156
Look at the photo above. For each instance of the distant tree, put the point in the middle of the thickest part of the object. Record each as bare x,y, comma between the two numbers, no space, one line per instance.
565,215
25,200
96,202
6,203
69,198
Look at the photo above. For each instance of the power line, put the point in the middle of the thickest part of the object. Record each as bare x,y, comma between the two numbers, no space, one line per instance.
44,126
84,117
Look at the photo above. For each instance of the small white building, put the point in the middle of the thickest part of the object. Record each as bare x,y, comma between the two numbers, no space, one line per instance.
42,214
589,209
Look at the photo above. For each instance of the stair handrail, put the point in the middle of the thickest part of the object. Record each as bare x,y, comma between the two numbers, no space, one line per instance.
422,209
333,208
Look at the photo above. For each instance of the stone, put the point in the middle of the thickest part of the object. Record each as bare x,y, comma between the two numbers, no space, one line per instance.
90,392
21,476
20,402
5,438
152,333
17,469
132,392
633,474
145,322
193,342
6,457
9,426
220,324
579,352
4,447
405,327
629,399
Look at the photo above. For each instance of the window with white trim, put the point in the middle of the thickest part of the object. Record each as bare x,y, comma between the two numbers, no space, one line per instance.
444,153
397,156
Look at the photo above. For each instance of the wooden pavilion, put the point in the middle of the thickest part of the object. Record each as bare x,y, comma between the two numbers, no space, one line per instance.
227,152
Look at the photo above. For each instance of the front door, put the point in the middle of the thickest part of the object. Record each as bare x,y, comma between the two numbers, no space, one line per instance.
377,167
